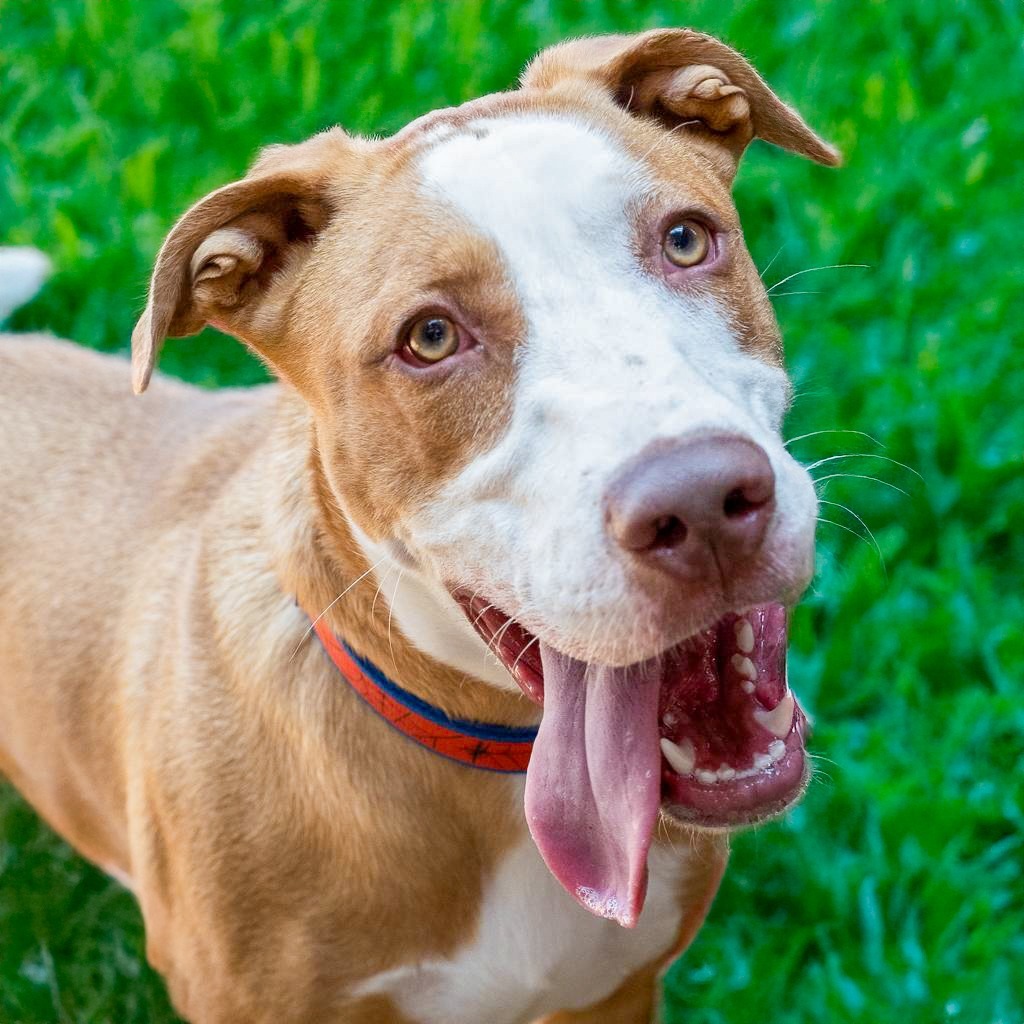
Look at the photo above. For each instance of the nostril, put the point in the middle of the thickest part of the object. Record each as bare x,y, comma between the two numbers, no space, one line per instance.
669,531
739,503
680,503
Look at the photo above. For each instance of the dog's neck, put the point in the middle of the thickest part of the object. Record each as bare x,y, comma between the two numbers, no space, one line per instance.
366,597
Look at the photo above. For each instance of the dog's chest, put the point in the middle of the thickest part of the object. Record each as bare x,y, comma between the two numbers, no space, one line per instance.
535,950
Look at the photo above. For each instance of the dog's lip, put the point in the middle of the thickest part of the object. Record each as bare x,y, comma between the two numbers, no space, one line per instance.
515,647
763,721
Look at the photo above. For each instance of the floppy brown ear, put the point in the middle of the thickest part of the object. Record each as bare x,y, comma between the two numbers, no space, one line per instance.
686,78
222,261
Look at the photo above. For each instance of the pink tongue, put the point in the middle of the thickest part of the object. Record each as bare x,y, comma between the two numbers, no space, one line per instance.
593,788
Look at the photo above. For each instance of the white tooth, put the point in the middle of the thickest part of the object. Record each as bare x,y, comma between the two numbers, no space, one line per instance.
762,761
670,719
776,749
681,756
748,686
726,772
779,720
744,666
706,777
744,635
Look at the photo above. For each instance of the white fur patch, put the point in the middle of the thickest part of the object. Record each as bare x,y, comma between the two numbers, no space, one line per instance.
614,359
426,614
536,950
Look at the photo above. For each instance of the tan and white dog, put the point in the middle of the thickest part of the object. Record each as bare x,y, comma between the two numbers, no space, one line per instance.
524,461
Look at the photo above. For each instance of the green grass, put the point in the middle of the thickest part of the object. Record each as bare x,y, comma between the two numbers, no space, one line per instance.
896,891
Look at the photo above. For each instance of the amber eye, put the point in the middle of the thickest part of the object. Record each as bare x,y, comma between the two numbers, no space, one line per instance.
687,243
433,338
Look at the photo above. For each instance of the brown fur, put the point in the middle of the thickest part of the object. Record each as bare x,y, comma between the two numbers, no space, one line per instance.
161,702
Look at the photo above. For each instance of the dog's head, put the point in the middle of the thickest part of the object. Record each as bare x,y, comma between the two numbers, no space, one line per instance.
547,380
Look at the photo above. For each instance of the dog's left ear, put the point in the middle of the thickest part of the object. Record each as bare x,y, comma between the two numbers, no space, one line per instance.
683,78
227,260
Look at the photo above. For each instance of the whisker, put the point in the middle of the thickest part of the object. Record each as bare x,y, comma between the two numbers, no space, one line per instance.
815,433
813,270
481,615
814,756
860,476
849,511
832,522
391,612
312,625
380,586
522,652
667,834
497,638
819,774
776,295
859,536
865,455
771,262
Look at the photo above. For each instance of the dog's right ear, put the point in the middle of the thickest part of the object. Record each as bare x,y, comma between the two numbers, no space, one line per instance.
223,262
683,79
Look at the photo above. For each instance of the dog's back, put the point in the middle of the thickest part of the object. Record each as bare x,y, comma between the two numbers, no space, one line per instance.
88,466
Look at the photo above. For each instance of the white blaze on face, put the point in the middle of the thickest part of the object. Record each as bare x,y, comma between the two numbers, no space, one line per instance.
613,359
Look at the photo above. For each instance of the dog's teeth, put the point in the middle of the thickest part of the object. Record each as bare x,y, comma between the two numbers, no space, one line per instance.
726,772
779,720
681,756
744,666
744,635
776,750
748,686
706,777
762,761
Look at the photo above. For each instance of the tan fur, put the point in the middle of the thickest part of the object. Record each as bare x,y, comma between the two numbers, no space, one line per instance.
678,75
161,701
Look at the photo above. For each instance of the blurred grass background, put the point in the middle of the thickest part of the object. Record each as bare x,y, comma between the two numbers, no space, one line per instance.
895,892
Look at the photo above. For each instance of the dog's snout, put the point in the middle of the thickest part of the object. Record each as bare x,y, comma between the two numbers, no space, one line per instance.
686,506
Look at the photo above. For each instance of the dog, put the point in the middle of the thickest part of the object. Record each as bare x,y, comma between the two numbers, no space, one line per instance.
426,684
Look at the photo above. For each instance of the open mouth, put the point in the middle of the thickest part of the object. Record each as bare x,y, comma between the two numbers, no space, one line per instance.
708,733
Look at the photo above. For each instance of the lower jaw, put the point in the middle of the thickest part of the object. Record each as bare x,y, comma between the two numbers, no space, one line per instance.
740,804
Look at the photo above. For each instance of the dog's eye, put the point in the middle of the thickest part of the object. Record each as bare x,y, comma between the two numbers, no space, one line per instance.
686,244
433,338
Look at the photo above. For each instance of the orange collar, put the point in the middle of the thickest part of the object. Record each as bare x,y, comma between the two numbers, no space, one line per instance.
496,748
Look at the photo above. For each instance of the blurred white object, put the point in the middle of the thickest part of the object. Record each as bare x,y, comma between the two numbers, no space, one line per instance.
22,273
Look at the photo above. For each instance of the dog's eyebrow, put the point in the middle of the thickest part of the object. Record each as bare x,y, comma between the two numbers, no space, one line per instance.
451,279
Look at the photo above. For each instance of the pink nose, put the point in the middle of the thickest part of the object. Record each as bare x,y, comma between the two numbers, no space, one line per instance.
693,508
